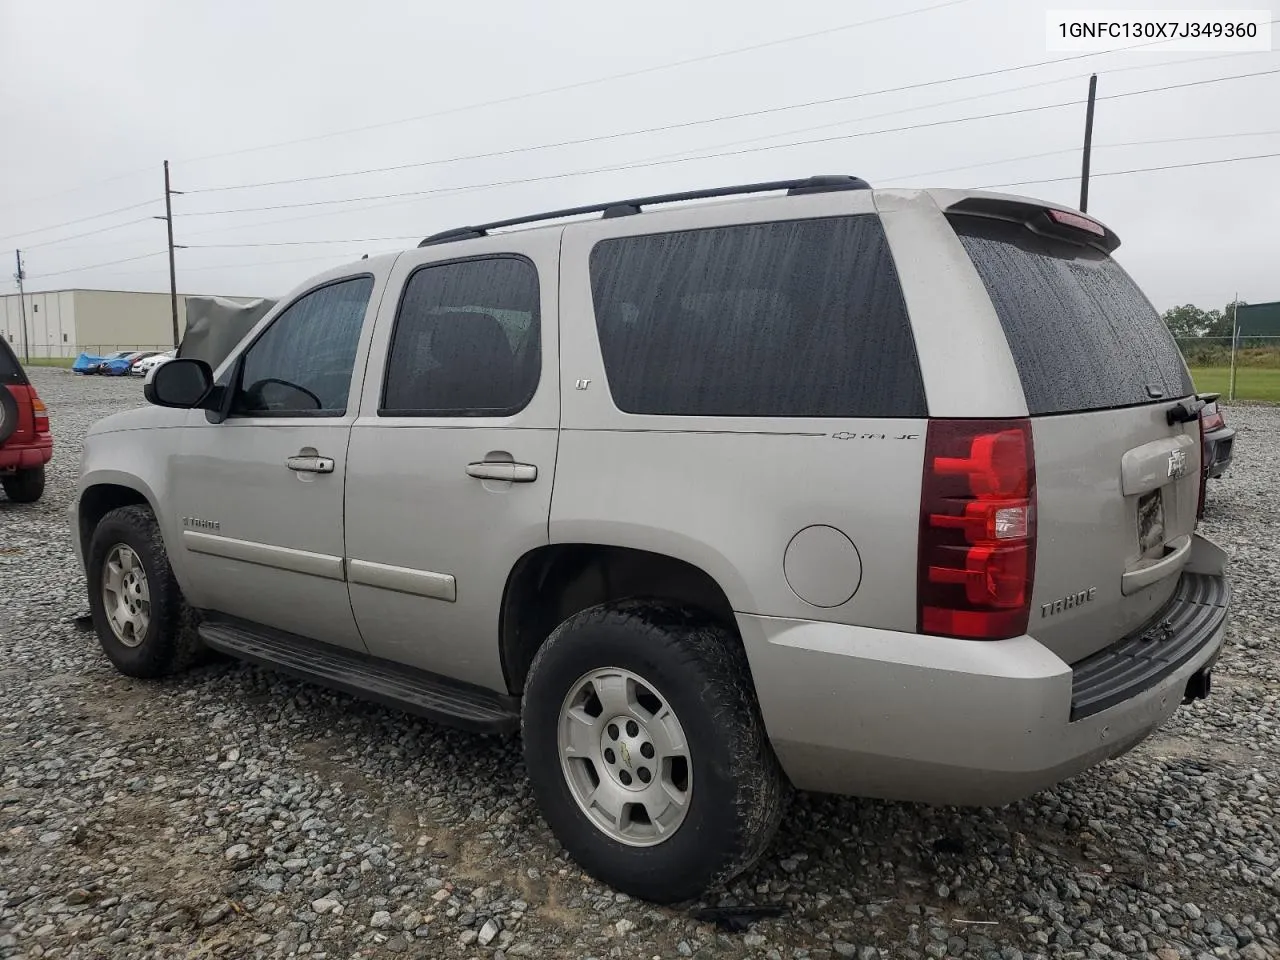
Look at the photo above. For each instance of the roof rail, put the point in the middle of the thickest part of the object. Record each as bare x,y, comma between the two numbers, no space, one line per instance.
626,208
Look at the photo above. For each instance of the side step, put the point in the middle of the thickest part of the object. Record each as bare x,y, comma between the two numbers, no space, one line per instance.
370,678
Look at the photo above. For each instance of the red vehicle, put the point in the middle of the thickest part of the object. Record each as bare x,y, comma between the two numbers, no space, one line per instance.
26,444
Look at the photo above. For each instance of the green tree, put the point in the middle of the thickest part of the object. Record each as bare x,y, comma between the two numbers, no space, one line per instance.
1224,322
1187,320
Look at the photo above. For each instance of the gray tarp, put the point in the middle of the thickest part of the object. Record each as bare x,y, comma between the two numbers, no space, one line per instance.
216,325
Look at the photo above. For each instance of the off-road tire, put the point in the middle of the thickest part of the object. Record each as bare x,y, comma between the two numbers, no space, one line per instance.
170,644
24,486
699,668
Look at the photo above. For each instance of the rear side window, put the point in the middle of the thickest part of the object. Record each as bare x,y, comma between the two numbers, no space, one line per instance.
10,370
466,340
1083,336
800,318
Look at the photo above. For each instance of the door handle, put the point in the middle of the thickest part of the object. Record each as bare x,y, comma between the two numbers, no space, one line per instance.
503,470
310,464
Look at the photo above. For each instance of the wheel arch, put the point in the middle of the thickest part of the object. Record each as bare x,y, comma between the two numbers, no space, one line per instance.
550,583
99,494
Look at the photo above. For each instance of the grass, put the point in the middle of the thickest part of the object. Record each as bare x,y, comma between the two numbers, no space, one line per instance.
49,362
1252,383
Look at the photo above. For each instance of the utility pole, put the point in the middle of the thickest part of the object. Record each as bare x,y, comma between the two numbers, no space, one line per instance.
1088,144
1235,341
22,306
173,275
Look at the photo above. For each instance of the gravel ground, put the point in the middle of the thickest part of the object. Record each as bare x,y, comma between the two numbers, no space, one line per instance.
232,813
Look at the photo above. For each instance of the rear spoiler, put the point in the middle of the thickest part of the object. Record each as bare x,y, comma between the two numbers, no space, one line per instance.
1057,222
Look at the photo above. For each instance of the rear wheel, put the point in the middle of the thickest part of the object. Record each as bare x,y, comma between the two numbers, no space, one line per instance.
144,625
646,750
24,486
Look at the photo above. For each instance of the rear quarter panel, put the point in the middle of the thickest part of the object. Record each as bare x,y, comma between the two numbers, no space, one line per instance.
729,494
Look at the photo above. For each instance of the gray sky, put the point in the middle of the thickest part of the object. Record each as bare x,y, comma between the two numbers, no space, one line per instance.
92,90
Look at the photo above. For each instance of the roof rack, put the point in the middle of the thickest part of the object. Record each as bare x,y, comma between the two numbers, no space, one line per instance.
627,208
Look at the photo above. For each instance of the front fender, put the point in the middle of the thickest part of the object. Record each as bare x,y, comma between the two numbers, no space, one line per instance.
133,460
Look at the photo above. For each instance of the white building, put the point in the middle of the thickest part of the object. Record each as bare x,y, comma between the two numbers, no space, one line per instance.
64,323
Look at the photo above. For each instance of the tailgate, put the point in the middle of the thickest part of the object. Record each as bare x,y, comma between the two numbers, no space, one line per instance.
1116,507
1117,478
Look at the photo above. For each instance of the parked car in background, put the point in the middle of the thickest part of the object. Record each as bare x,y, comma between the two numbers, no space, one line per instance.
26,443
145,364
707,501
121,366
1219,441
88,363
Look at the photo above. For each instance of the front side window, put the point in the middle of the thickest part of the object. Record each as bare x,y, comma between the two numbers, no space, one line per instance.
466,341
302,363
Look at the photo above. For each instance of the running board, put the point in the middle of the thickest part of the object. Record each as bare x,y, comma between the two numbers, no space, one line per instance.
370,678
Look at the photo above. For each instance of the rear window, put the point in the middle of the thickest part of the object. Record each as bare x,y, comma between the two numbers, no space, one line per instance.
799,318
10,369
1083,336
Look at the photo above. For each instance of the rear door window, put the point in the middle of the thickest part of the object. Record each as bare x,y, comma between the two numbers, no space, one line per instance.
1083,336
466,341
10,370
801,318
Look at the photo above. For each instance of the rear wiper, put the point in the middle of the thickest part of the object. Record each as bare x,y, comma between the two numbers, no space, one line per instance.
1184,411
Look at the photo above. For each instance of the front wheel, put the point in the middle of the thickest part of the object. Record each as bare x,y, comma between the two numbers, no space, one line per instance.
646,750
24,486
144,625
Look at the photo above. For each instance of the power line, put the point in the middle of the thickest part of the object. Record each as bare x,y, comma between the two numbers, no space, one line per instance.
95,266
91,233
968,166
295,243
709,156
718,119
1075,149
265,263
1122,173
261,263
84,186
70,223
578,84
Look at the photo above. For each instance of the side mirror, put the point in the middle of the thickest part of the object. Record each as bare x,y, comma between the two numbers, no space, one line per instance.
183,383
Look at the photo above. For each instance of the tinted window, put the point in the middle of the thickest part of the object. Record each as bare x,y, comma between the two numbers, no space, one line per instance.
1082,334
797,319
301,365
10,369
466,341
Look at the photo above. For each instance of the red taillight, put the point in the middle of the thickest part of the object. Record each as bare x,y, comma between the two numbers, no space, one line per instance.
1204,471
1212,420
977,529
39,412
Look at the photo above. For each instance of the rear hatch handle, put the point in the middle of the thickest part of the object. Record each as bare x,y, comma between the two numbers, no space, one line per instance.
1146,572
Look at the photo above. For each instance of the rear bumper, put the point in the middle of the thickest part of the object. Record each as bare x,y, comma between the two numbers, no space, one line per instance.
26,456
1217,451
907,717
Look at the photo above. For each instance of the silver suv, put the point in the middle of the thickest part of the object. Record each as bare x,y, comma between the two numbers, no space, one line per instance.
879,492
